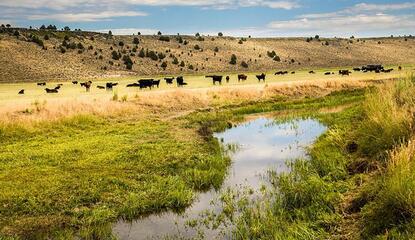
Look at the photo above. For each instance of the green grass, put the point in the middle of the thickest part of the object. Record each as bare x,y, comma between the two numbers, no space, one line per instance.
310,201
84,172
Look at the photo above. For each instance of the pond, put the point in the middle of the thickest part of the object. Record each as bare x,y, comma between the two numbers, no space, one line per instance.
257,146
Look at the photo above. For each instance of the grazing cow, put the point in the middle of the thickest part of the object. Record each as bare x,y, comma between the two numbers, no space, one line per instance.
180,81
356,69
87,85
372,68
100,87
344,72
327,73
58,87
215,78
281,73
293,72
156,83
227,79
400,68
146,83
133,85
74,82
21,91
312,72
387,70
41,84
110,85
169,80
261,77
242,77
48,90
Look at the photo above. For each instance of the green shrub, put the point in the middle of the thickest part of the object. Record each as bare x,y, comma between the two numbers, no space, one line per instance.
233,59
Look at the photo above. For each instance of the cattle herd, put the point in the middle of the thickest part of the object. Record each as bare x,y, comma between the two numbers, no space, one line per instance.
180,82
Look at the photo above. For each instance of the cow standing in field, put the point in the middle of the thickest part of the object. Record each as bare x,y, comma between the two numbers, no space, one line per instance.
21,92
110,85
215,78
146,83
227,79
156,83
48,90
74,82
100,87
169,80
327,73
261,77
180,81
41,84
344,72
87,85
242,77
312,72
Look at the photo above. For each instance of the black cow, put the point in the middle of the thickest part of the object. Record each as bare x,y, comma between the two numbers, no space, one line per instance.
133,85
215,78
58,87
387,70
372,68
48,90
180,81
242,77
110,85
21,91
312,72
87,85
327,73
357,69
344,72
74,82
146,83
227,79
400,68
156,83
293,72
281,73
41,84
261,77
100,87
169,80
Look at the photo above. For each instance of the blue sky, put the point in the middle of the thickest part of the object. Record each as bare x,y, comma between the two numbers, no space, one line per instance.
258,18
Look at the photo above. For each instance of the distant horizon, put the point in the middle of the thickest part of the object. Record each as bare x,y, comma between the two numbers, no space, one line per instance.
238,18
134,32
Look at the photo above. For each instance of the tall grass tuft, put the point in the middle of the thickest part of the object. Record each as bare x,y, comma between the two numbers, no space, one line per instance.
388,118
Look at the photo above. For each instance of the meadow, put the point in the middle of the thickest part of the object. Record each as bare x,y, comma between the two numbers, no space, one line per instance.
70,166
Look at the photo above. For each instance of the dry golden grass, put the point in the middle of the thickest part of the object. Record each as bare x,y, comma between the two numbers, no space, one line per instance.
168,103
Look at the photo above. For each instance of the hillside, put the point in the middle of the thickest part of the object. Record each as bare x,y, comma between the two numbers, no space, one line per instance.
89,55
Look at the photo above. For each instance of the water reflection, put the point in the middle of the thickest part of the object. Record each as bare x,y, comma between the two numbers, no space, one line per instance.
255,147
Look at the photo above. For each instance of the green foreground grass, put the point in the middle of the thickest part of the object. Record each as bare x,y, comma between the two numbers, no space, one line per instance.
359,182
75,176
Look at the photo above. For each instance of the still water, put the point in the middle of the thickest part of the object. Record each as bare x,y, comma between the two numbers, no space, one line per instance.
261,144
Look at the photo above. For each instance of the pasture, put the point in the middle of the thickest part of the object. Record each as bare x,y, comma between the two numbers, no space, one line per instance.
9,91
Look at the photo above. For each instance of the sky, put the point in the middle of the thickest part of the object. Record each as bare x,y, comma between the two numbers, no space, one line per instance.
241,18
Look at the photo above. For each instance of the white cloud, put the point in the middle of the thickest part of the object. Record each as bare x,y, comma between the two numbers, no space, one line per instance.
86,17
62,4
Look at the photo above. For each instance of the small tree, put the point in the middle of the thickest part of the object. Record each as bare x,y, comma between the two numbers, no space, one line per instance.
197,34
67,29
115,55
121,44
216,49
163,65
66,38
46,37
220,34
136,41
244,64
142,54
197,47
182,64
159,33
233,59
16,33
110,33
175,61
317,37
